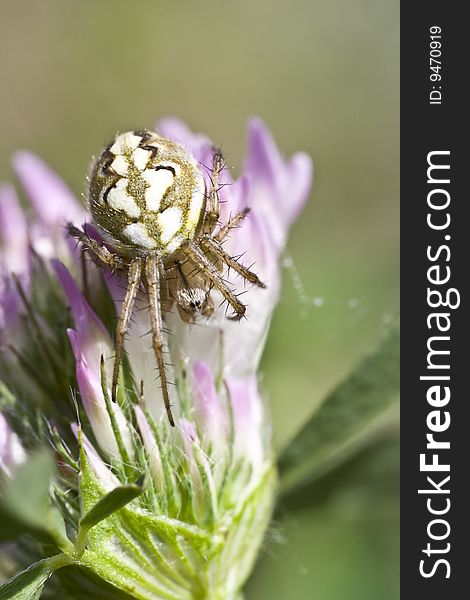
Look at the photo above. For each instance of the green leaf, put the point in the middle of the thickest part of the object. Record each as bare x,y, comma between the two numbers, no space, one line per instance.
356,413
29,584
11,527
26,496
26,506
365,486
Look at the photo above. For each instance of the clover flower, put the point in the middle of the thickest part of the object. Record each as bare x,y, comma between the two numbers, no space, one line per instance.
154,511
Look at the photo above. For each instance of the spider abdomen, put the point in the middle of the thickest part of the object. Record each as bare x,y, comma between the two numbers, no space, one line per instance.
146,193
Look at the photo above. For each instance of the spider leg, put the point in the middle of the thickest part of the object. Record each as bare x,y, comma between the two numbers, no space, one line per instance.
232,224
152,272
133,282
198,257
210,244
99,252
212,213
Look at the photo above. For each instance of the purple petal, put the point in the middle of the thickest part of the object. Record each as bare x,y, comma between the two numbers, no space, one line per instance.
263,161
50,197
89,343
13,233
299,183
196,143
88,382
279,188
234,197
93,336
248,419
91,394
253,240
210,414
14,258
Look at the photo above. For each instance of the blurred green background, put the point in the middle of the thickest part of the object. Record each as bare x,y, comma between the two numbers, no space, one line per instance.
324,76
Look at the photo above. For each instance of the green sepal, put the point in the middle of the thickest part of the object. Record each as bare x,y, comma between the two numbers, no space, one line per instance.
112,502
105,507
134,532
149,556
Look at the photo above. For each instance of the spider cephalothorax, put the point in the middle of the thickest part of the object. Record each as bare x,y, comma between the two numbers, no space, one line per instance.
149,200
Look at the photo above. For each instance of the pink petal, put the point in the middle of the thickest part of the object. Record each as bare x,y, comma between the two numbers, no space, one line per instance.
248,419
93,337
279,188
91,394
14,258
263,161
210,414
50,197
299,183
13,232
196,143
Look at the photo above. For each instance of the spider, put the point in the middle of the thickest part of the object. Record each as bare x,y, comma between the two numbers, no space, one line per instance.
149,200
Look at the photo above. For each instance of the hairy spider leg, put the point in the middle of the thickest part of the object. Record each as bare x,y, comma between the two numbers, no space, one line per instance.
200,260
99,252
212,213
153,265
133,281
212,246
231,224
